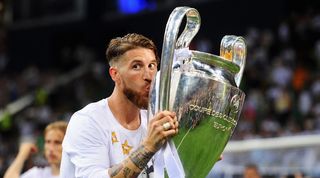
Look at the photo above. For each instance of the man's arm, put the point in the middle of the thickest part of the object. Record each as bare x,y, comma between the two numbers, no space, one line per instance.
156,137
16,167
133,165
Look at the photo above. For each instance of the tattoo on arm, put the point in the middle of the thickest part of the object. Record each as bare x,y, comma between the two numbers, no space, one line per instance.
120,169
141,157
159,144
115,170
128,173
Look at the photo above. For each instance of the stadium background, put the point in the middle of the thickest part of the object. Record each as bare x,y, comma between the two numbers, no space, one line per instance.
52,63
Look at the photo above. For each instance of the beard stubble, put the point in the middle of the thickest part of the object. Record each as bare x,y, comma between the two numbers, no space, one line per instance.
137,98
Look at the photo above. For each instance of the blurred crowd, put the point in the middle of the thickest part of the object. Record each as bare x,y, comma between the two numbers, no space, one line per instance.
281,82
282,79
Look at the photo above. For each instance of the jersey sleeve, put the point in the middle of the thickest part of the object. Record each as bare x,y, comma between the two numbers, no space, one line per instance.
86,147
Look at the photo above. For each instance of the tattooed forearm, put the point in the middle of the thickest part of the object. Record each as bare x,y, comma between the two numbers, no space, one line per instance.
120,170
133,165
126,172
129,173
141,157
159,144
115,170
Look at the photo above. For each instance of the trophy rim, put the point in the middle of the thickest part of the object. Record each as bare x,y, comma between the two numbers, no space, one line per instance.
219,82
215,60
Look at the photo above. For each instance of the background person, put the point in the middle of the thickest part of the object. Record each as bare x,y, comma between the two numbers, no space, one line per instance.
53,136
251,171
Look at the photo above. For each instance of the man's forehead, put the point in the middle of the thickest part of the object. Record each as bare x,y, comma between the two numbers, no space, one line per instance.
139,54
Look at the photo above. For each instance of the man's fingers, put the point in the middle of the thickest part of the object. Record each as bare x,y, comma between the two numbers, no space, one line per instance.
34,149
163,114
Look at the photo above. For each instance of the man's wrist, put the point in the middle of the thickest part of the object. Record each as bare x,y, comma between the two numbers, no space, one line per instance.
23,155
150,146
141,156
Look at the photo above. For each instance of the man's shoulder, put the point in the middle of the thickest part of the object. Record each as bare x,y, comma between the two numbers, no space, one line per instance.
93,114
37,171
89,122
93,108
40,168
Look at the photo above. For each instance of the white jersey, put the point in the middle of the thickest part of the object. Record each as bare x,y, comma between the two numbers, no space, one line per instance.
38,172
95,141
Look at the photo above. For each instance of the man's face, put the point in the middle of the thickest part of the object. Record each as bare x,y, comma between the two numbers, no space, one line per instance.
136,71
53,146
251,173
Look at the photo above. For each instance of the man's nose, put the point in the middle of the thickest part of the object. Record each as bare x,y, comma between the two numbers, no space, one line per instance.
148,74
51,147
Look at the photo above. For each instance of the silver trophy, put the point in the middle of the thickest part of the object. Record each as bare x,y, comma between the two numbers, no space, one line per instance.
203,90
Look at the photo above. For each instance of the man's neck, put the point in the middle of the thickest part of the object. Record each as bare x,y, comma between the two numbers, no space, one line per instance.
126,113
55,169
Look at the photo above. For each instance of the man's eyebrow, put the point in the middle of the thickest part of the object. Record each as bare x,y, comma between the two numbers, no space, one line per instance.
140,61
136,61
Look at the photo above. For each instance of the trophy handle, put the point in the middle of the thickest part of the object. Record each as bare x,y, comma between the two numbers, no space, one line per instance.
233,48
170,43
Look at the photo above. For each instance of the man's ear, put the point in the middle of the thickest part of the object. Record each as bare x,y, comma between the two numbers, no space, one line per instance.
113,72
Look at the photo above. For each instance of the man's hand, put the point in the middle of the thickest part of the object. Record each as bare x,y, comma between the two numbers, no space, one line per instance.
163,126
160,128
27,149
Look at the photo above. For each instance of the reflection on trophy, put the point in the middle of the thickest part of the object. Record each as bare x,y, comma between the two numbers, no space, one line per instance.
203,90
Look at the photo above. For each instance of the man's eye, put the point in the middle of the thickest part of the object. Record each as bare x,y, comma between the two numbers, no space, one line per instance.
136,66
58,142
152,66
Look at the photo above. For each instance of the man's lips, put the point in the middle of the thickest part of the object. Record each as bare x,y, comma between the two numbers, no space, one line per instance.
52,156
147,88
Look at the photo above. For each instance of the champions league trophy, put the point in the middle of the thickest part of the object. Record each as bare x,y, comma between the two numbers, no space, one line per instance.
203,90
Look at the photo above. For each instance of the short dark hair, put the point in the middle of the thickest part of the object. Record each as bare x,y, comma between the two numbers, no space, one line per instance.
118,46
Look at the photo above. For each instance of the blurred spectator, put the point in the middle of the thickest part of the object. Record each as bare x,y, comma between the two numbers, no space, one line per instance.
53,137
295,175
251,171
